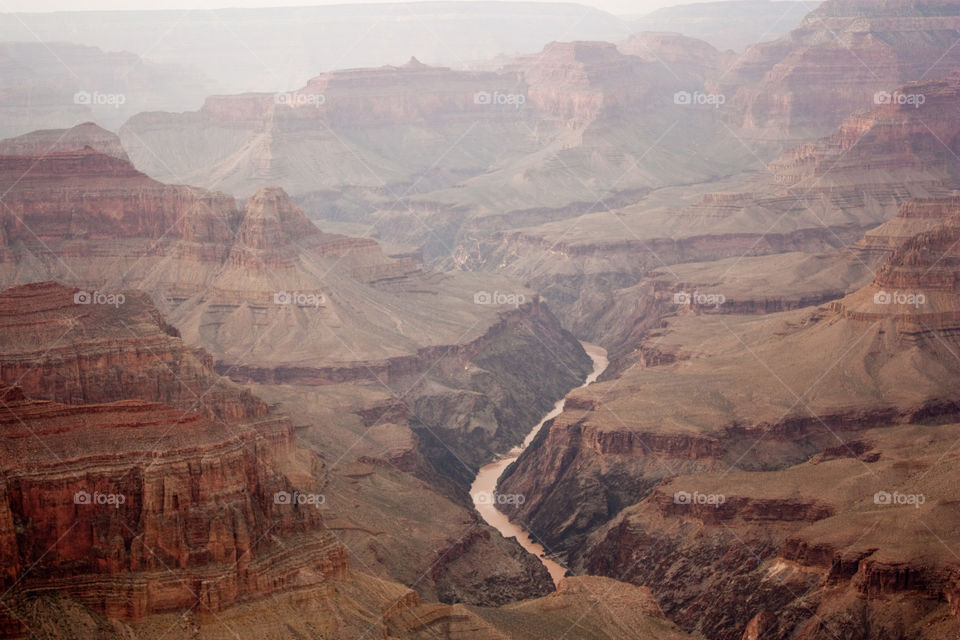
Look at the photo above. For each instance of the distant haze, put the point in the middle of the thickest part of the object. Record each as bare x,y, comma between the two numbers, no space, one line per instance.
621,7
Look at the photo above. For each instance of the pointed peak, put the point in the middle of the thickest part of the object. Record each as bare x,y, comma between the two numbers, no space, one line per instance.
413,63
273,207
272,203
270,194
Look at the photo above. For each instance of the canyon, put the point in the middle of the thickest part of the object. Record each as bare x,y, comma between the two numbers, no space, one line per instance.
567,329
120,514
483,491
784,493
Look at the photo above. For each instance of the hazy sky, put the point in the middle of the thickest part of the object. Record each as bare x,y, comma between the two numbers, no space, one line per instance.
614,6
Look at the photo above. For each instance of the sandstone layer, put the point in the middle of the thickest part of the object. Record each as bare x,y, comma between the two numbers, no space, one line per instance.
815,199
131,491
577,127
276,300
730,446
838,60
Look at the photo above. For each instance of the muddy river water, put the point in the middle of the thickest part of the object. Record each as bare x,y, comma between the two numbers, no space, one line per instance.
485,484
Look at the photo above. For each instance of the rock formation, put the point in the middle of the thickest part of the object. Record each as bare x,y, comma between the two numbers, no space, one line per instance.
125,493
276,301
733,236
773,483
509,139
840,59
88,134
766,245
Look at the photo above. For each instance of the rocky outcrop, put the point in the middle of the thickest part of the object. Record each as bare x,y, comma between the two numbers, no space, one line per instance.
609,609
60,344
837,61
914,217
685,474
166,509
918,283
814,199
887,138
119,202
154,489
577,81
457,583
690,58
88,134
335,308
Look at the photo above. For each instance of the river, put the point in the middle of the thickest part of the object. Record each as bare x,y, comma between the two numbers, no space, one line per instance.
487,478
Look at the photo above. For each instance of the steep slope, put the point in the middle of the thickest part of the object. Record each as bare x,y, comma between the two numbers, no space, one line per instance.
276,301
701,468
127,504
837,60
140,498
816,198
63,346
547,137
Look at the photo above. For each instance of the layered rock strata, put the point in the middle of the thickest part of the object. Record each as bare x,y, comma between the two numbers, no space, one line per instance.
724,459
127,491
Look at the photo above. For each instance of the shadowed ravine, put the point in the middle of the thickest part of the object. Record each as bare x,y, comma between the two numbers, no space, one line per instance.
485,484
